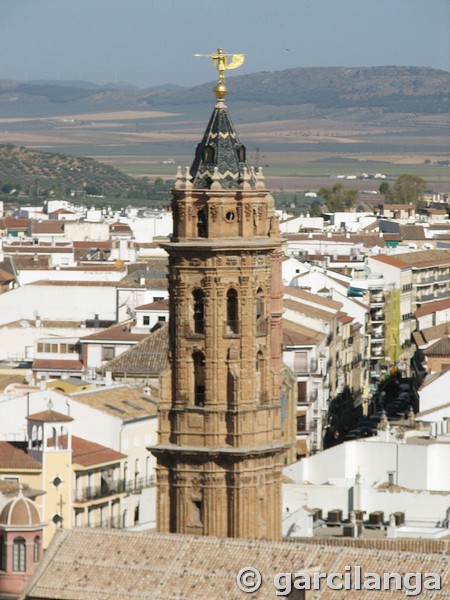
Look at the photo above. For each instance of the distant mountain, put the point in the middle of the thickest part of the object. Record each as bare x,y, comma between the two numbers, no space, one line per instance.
40,173
390,89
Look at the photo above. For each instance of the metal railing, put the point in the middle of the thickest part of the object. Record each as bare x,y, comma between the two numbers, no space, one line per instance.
115,487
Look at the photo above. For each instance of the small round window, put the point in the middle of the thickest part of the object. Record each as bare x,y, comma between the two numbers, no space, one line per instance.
230,216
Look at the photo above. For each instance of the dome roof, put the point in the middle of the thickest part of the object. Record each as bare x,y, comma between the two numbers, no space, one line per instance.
20,512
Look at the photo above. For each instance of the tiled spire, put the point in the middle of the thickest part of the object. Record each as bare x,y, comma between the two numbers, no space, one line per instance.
221,148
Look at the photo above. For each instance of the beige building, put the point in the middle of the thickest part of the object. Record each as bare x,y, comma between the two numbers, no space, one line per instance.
74,481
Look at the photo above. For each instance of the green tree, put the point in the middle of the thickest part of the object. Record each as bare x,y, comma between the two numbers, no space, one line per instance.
338,198
408,188
384,188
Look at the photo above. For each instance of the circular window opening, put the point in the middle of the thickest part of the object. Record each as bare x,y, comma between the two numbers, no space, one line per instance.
230,216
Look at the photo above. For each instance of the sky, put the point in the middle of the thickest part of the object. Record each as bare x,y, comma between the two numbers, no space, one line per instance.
152,42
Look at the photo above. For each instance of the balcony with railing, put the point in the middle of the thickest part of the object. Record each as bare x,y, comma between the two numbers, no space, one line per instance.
306,367
377,352
377,316
377,298
106,490
443,277
96,492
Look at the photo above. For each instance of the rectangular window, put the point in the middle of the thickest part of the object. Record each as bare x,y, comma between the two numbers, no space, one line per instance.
158,298
146,320
40,347
64,348
54,349
47,348
301,423
300,362
301,391
161,319
108,352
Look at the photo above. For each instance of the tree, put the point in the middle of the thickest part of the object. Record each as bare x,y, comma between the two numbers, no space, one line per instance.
384,188
408,188
338,198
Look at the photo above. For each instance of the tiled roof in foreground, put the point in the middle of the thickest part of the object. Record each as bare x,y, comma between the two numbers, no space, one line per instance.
95,564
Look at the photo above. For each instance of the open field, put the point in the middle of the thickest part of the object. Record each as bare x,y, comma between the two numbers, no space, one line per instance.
296,154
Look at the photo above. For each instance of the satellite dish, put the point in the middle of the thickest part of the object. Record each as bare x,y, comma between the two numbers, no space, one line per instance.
24,323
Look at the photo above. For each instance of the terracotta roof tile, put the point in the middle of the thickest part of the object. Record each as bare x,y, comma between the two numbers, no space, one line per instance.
87,453
158,305
420,259
120,333
307,309
121,401
14,456
432,307
49,364
49,416
295,334
315,298
149,358
115,564
50,227
6,277
440,348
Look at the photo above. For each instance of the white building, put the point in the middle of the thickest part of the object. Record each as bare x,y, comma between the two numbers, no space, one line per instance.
397,471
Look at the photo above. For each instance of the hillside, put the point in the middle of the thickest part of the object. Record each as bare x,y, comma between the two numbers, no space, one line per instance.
390,89
37,174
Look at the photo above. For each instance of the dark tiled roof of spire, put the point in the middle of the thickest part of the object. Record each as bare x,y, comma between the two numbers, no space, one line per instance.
219,148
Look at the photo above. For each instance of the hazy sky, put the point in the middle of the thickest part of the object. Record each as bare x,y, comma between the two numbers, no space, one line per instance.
152,42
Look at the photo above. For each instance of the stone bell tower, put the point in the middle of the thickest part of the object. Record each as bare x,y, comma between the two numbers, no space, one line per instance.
224,427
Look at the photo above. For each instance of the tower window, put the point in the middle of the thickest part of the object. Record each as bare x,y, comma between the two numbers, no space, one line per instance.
202,224
199,378
199,311
260,313
19,555
209,154
197,511
232,312
240,150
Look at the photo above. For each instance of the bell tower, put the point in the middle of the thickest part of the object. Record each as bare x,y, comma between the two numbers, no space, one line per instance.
224,426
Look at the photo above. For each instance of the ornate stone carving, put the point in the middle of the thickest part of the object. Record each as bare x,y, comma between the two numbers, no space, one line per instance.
214,212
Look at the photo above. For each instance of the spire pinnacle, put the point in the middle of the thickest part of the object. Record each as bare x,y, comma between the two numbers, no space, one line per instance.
220,61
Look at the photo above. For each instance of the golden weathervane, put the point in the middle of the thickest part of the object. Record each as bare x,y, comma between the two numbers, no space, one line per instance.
220,60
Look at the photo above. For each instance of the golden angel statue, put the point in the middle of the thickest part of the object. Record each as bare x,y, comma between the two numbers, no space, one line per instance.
220,60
